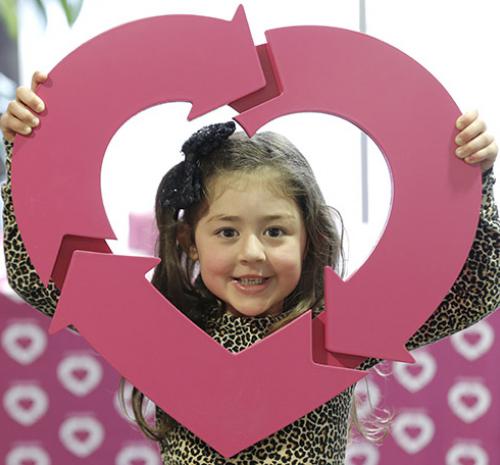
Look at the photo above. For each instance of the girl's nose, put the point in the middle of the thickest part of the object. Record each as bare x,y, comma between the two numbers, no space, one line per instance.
252,249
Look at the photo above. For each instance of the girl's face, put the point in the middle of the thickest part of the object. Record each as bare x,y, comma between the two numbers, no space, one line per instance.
250,231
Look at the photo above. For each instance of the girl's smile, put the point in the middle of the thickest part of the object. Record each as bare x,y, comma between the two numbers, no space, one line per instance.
250,245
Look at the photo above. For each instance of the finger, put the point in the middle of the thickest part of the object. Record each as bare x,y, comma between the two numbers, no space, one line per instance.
467,118
12,124
18,110
477,127
37,78
7,133
488,152
475,145
30,99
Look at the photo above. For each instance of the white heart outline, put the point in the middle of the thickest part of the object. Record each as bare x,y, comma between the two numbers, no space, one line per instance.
466,413
149,411
470,351
137,452
412,382
79,387
371,392
24,355
463,449
413,419
26,417
369,451
19,454
77,423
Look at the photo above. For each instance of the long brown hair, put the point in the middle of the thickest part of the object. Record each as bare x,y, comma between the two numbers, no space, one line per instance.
274,157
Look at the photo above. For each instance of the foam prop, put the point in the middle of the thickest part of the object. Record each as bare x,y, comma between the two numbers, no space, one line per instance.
434,214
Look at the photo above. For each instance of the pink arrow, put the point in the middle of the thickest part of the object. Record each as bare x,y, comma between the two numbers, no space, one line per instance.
106,293
115,75
436,197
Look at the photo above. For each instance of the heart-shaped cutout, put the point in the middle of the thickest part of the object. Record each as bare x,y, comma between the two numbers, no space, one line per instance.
362,453
414,377
81,435
137,455
79,374
413,431
22,455
469,400
24,342
467,454
26,404
472,343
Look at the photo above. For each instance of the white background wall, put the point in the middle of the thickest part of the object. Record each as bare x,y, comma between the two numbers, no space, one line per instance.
454,39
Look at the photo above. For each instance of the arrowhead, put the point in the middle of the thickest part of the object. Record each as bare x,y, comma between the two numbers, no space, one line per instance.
347,334
238,71
85,275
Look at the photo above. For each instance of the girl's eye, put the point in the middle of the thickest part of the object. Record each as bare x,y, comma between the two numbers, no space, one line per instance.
230,233
221,231
279,230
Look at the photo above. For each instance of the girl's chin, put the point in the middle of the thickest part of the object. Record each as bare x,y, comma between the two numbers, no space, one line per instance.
250,312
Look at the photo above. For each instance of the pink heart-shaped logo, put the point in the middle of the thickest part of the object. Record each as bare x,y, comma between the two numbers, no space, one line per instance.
24,342
81,435
26,404
22,455
413,431
416,376
464,453
362,453
137,454
475,341
367,395
469,400
79,374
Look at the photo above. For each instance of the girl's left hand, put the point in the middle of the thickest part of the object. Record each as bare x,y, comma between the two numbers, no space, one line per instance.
475,145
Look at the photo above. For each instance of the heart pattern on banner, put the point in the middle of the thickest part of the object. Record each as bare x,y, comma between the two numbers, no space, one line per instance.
23,455
472,343
81,435
362,453
132,455
470,454
79,374
367,395
24,342
413,431
469,400
26,404
414,377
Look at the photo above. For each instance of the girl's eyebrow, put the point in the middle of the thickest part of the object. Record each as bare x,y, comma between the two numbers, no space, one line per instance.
223,217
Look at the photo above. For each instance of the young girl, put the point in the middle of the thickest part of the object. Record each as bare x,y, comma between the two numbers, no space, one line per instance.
250,216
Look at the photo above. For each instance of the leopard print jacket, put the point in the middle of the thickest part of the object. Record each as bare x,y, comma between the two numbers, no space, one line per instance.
320,437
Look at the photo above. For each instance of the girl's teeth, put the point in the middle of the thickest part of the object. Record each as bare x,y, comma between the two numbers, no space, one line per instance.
251,282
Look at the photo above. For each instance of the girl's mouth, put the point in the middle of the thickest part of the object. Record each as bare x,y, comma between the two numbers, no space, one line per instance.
252,285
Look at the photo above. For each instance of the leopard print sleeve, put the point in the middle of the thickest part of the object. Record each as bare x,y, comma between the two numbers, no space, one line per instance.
476,292
21,274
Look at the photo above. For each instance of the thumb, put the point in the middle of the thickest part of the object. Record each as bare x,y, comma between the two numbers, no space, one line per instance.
38,78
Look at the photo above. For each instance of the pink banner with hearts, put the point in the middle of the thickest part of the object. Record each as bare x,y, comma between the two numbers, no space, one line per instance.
59,397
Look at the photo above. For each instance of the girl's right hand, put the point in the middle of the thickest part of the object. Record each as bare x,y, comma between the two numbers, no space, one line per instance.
20,117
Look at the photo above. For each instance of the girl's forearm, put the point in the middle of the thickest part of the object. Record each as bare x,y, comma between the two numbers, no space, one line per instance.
21,274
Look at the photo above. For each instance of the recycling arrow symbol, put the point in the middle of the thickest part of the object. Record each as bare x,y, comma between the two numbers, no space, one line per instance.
211,63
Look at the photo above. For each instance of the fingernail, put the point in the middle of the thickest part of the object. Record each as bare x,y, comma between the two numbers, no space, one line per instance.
458,152
28,130
35,121
40,107
458,140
